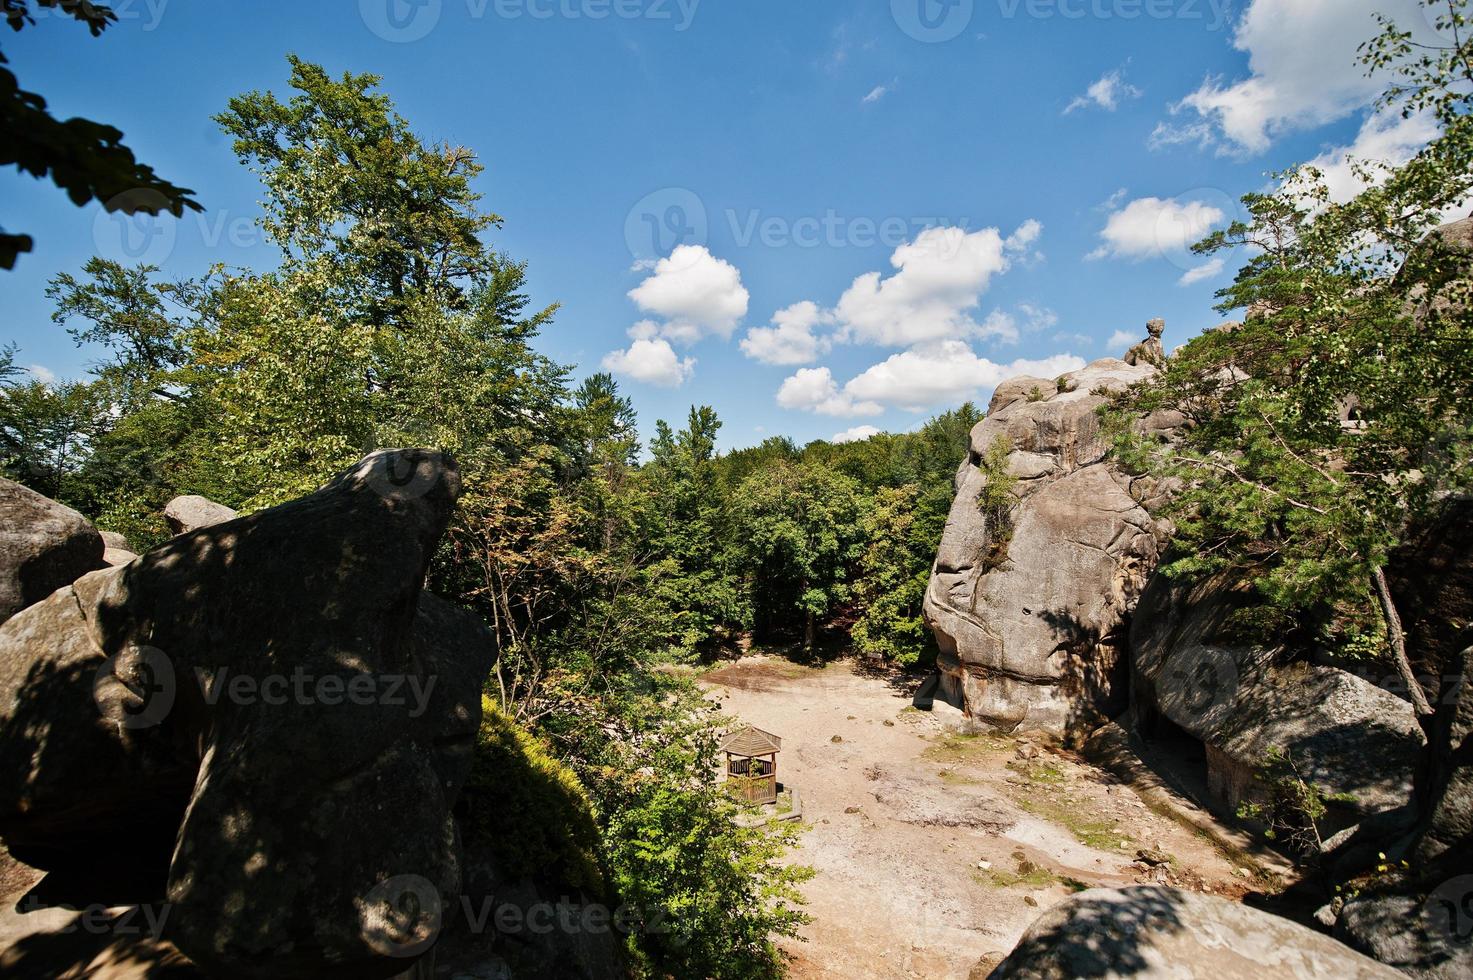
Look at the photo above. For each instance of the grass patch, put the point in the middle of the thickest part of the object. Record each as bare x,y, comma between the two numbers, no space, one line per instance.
954,778
958,747
1039,772
1104,835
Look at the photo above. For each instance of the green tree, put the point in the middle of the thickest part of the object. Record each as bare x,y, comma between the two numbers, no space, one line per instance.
800,523
893,574
1338,412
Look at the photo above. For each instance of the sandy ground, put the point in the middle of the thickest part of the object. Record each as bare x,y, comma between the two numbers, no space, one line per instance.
934,847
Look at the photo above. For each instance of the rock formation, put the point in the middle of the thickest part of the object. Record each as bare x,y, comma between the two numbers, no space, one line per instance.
192,512
1347,736
1151,931
43,546
270,713
1149,351
1028,605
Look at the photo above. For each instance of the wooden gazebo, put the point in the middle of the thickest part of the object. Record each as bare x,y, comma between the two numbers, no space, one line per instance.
751,764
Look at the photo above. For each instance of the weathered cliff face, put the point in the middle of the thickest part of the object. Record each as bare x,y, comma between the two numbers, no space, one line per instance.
267,712
1028,609
1352,739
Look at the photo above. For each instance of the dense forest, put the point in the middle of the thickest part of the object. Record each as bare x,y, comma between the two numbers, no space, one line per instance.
609,557
603,557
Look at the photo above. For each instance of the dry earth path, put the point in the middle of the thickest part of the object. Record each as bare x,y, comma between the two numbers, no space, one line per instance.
934,847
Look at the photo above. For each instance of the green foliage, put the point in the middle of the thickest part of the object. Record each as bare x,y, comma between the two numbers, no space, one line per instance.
893,574
86,159
713,893
528,809
1289,807
1338,412
803,537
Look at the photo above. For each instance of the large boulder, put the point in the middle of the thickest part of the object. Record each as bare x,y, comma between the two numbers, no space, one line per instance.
1028,610
1351,738
193,512
1152,931
44,545
272,713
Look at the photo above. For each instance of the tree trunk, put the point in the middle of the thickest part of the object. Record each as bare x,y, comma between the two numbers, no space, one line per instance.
809,631
1398,645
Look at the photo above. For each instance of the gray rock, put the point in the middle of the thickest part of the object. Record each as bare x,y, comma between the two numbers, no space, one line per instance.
271,711
118,556
44,545
1347,735
1028,618
193,512
1153,931
115,541
1149,351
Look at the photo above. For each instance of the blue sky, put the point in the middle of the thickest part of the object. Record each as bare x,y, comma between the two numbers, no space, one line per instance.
815,217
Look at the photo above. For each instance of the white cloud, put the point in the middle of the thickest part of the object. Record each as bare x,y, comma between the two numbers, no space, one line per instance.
1038,317
1385,137
790,339
875,94
927,376
650,359
42,374
1198,273
858,433
1107,92
1153,226
814,390
1122,340
1303,68
696,294
940,278
1169,134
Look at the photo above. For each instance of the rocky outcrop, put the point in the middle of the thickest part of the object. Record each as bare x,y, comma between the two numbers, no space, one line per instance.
1421,920
1149,351
268,712
193,512
1346,735
43,546
1028,605
1150,931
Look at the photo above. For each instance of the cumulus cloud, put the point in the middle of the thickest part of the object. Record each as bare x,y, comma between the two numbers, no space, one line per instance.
857,433
1303,70
791,338
1153,226
941,373
1122,341
1199,273
650,358
814,390
42,374
1107,92
939,280
695,293
1384,138
875,94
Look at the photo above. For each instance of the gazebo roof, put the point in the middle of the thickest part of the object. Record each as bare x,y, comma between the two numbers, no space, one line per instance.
751,741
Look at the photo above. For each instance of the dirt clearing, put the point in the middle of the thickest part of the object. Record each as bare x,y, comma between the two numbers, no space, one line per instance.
934,847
